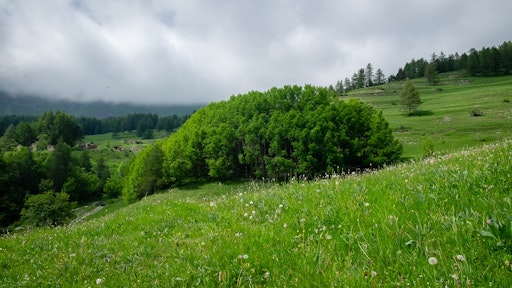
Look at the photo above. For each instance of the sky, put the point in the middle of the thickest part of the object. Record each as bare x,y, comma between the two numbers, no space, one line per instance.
200,51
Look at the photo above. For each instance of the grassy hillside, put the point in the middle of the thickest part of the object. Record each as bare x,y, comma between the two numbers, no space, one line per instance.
445,113
421,224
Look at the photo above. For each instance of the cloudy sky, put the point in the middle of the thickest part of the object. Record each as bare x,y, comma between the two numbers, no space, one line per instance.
199,51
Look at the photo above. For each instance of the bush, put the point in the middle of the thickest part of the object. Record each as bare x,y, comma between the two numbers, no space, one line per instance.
476,112
47,209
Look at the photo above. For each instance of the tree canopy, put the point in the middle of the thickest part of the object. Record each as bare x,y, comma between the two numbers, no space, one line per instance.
281,133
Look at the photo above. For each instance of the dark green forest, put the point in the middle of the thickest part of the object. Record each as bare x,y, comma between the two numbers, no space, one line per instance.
91,125
39,155
290,132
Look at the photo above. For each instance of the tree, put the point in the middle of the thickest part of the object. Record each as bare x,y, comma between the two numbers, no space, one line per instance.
431,74
339,88
368,75
380,78
145,174
55,126
58,165
410,97
47,209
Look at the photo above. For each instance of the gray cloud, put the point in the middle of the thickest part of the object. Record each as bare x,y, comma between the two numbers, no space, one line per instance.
203,51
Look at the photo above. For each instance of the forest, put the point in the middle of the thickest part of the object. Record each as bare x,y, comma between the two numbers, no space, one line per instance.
283,133
39,157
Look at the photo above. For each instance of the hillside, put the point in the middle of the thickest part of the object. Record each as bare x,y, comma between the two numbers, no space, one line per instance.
445,115
32,105
439,222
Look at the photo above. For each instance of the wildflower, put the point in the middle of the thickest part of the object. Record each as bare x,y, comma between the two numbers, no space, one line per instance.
366,204
98,281
267,275
455,276
460,258
373,273
489,221
285,225
243,256
328,237
239,235
281,206
432,261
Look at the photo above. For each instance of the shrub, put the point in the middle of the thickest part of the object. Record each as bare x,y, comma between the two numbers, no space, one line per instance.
47,209
476,112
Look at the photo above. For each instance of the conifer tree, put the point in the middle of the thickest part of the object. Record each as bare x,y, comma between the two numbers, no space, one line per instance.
410,97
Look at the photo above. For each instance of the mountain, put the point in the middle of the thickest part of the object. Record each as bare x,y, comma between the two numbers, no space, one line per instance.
33,105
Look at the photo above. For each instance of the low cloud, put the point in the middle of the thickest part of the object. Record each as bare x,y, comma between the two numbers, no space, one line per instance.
204,51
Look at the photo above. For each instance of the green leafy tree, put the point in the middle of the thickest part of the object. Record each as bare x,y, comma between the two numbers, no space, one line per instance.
47,209
58,165
113,187
146,174
410,97
55,126
25,134
102,171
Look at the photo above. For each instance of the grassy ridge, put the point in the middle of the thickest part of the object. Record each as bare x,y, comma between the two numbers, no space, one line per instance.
446,119
378,229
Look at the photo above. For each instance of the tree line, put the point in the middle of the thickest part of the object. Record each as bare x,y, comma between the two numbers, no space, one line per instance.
138,122
285,132
487,62
364,77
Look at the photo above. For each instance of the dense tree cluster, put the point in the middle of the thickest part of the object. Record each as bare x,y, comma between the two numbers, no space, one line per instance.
284,132
365,77
139,122
485,62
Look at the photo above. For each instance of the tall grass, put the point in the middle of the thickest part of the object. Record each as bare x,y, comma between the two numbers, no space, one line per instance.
417,224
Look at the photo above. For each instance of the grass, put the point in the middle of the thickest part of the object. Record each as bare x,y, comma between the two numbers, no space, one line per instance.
445,114
377,229
118,149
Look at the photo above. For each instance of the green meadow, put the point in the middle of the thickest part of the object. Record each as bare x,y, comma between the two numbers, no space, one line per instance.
445,117
441,221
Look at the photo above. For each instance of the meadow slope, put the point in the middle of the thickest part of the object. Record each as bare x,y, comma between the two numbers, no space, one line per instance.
422,224
445,115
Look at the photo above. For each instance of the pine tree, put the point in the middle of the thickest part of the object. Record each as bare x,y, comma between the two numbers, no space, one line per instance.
410,97
431,74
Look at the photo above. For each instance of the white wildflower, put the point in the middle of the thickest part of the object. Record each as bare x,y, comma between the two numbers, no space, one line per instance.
460,258
432,260
98,281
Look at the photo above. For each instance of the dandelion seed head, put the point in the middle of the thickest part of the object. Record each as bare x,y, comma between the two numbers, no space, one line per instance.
432,261
373,273
460,257
98,281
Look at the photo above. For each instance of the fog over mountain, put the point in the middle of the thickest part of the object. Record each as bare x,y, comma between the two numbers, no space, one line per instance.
201,51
